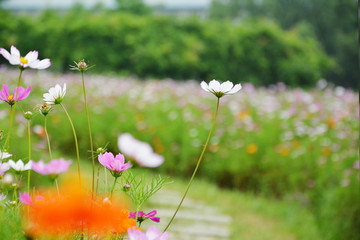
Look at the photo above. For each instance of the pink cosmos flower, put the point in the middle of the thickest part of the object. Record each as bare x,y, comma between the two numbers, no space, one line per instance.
115,164
141,216
3,168
10,99
151,234
54,167
30,60
26,199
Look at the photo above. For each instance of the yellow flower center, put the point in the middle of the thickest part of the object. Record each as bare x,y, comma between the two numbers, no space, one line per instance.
23,60
10,97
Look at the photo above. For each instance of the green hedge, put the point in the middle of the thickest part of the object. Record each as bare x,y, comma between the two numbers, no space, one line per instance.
161,47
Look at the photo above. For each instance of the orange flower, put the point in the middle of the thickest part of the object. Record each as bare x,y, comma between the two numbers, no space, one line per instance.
243,115
284,151
331,123
251,148
326,151
73,211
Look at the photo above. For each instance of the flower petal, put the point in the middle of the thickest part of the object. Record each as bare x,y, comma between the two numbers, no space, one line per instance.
32,56
214,85
45,63
15,52
14,60
226,86
235,89
5,53
204,86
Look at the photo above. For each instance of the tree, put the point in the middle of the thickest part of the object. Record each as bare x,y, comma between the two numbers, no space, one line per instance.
133,6
334,23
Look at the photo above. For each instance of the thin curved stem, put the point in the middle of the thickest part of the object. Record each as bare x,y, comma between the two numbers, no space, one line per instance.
29,138
197,165
47,138
113,187
12,114
91,142
75,138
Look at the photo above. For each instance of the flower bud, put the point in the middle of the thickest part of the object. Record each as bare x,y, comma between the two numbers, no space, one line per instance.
28,115
82,65
100,150
1,134
45,109
126,187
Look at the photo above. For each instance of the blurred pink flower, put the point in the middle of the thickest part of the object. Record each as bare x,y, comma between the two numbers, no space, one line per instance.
115,164
141,152
3,168
10,99
54,167
151,234
30,60
141,216
26,199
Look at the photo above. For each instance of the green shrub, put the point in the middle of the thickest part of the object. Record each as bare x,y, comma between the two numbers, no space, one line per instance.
161,47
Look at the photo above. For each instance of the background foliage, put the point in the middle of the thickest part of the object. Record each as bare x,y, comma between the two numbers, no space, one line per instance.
333,23
161,47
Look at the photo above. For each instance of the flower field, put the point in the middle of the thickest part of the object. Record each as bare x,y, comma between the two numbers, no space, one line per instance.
293,144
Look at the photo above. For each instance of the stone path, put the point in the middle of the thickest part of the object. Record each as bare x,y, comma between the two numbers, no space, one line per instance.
194,220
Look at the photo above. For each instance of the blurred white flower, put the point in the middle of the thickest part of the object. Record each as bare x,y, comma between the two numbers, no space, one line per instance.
141,152
8,178
19,166
55,94
4,155
222,89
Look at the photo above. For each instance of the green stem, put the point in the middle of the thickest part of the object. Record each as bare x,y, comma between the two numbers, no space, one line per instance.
12,114
197,165
48,140
57,187
113,187
29,137
97,179
75,138
91,142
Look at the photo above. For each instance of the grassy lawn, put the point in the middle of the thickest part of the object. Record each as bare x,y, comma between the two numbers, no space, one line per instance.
254,217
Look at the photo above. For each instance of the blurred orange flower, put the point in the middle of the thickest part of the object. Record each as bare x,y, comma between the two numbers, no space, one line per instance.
251,148
326,151
72,211
284,151
331,123
243,115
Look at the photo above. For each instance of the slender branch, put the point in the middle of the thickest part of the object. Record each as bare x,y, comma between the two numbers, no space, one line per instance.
75,138
12,114
197,165
47,138
91,142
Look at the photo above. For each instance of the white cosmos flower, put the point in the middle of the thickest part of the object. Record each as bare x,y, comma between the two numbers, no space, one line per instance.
222,89
19,166
4,155
55,94
30,60
141,152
